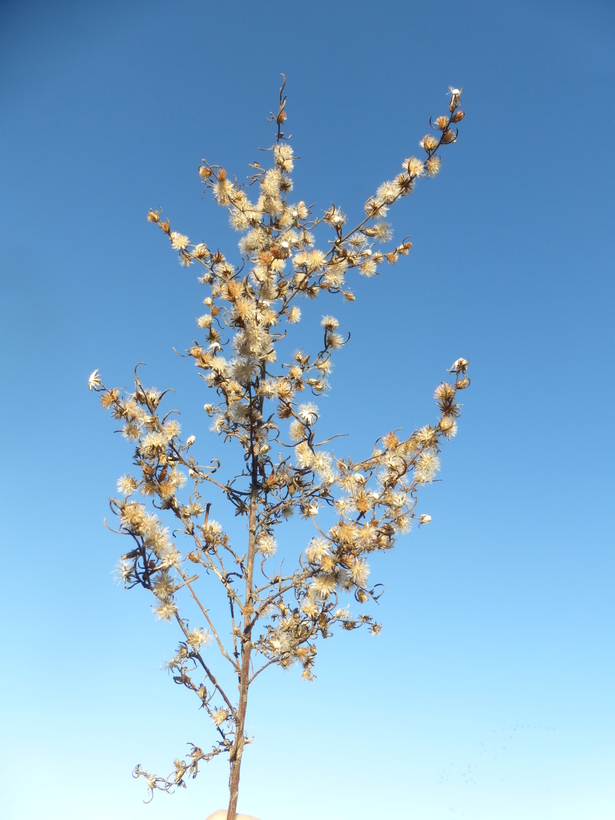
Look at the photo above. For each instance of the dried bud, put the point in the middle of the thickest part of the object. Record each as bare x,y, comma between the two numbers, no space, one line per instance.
266,257
442,123
204,172
424,519
414,167
459,366
219,716
390,441
455,95
462,384
448,136
429,143
153,216
281,251
433,166
94,380
200,251
458,115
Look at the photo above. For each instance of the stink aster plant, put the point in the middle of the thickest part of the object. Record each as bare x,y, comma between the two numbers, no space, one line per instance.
276,613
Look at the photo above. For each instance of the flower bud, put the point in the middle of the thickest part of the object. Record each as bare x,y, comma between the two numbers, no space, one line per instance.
281,251
433,166
94,380
458,115
428,143
455,95
459,366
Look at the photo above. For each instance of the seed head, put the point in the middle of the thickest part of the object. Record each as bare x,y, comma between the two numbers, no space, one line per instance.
429,143
94,381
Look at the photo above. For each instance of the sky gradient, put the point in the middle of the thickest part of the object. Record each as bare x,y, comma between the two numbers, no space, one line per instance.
489,693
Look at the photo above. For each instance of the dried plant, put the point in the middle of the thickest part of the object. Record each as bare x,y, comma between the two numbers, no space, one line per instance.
276,614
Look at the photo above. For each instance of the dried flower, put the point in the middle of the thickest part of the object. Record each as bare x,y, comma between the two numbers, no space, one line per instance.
429,143
179,241
459,366
94,381
266,545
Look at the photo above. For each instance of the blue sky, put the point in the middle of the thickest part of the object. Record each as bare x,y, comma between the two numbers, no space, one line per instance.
489,692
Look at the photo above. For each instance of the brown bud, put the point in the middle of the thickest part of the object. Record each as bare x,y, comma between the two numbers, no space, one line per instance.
266,257
458,115
362,502
461,385
153,216
449,136
442,123
283,411
390,441
281,251
235,289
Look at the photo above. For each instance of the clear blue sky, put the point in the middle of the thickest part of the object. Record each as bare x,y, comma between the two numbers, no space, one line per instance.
489,694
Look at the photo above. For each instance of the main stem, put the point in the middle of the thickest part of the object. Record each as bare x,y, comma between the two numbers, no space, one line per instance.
246,638
237,750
